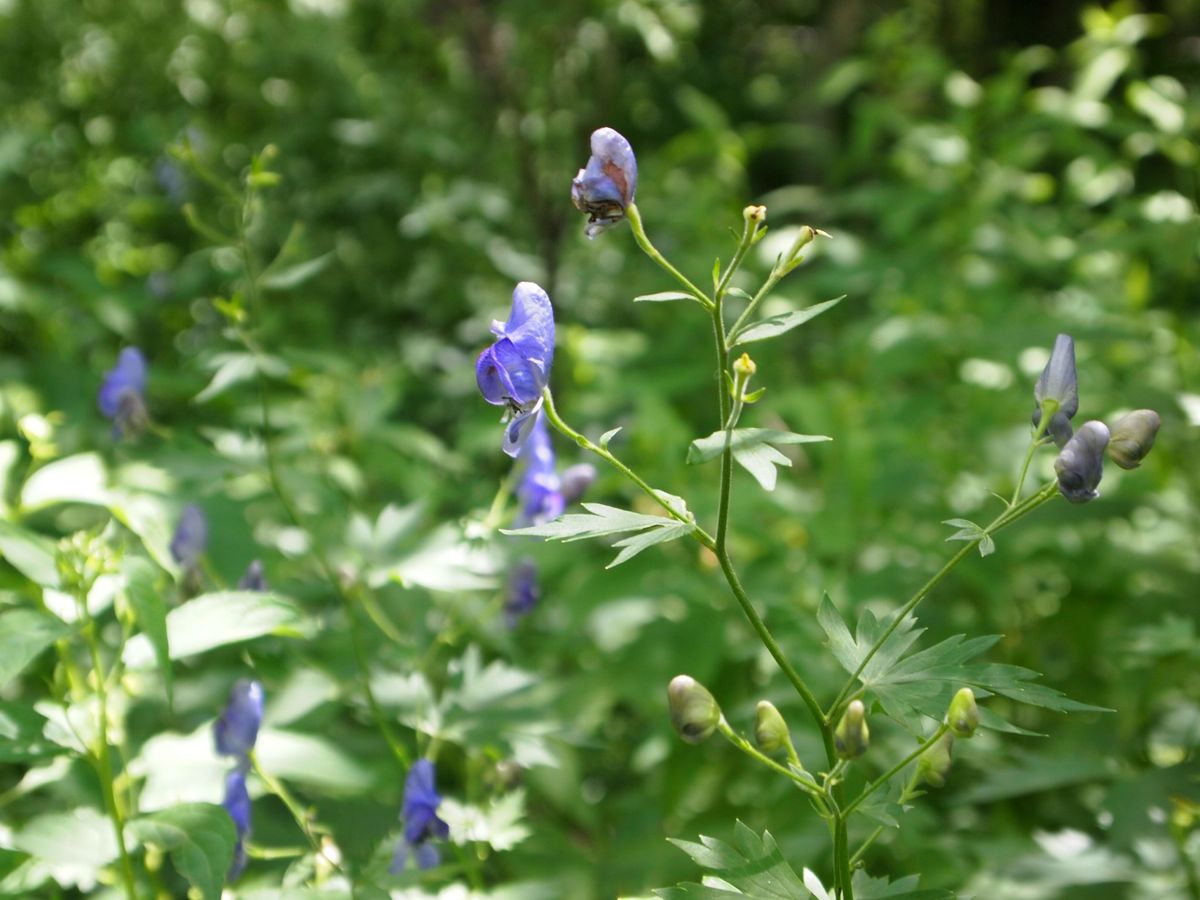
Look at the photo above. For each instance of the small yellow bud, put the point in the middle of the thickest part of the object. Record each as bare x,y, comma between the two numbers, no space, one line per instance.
744,366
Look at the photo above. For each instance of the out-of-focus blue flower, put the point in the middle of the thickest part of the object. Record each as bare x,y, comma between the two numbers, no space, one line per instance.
1080,465
523,592
237,728
515,370
237,804
121,397
421,823
576,480
606,185
1058,383
540,488
191,537
253,579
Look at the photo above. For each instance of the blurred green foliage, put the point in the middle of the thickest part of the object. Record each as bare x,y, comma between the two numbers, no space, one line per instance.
990,175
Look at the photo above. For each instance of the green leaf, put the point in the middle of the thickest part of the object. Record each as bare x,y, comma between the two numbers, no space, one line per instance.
295,275
233,368
969,531
662,297
24,634
632,546
199,837
76,479
754,867
703,449
601,520
868,888
150,610
773,326
219,619
33,555
312,760
22,735
737,291
72,847
499,823
760,461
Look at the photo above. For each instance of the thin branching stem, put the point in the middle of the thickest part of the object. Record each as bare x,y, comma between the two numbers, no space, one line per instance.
890,773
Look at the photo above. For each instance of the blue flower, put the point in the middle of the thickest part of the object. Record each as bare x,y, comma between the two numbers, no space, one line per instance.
191,537
237,728
605,187
121,397
523,591
1059,384
253,579
421,823
576,480
237,804
540,490
515,370
1080,465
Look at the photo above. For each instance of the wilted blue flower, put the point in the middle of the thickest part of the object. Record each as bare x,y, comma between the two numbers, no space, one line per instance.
1080,465
237,728
523,591
515,370
540,488
122,394
604,187
191,537
1059,384
421,823
253,579
237,804
576,480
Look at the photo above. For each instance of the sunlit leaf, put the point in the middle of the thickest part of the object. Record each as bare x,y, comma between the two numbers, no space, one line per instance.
199,838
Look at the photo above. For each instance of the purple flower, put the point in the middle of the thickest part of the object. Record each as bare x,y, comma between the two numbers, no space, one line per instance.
1080,465
523,591
576,480
191,537
515,370
540,488
237,804
237,728
605,187
121,397
253,579
1058,383
421,823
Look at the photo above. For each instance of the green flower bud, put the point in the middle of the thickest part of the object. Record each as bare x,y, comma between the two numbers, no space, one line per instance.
1132,437
934,764
963,715
694,711
744,366
770,731
852,736
754,214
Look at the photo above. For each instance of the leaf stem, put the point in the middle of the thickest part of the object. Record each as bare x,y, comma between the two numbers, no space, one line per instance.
887,776
301,817
809,787
639,235
1033,445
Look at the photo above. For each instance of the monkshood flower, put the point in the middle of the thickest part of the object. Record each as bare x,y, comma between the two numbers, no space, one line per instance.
515,370
523,592
1132,437
1059,385
1080,465
237,804
253,579
237,728
190,538
605,186
540,490
576,480
121,397
421,822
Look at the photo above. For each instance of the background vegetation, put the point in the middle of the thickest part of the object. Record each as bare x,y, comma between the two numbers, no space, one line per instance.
991,175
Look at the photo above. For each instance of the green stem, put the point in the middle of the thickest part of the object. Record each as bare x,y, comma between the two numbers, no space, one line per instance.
749,229
841,859
905,796
1033,445
301,818
639,234
890,773
773,279
1005,519
754,753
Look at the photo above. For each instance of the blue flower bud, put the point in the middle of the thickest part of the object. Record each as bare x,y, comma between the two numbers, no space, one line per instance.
191,537
607,184
540,490
963,714
576,480
523,591
852,736
1059,385
515,370
1080,465
237,728
1132,437
694,711
121,397
237,804
254,578
421,822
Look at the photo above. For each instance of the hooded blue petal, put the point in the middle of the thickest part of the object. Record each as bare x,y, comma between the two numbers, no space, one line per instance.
237,728
127,377
237,804
191,536
254,578
1058,382
540,490
606,185
520,427
1080,465
523,591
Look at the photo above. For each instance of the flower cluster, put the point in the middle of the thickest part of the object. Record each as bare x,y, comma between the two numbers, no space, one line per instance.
121,397
421,823
235,734
1080,462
